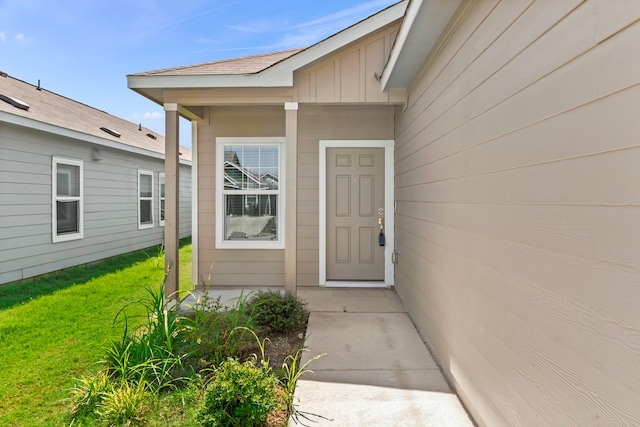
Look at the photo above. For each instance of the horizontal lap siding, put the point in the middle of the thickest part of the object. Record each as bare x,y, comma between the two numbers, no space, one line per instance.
110,204
232,267
317,123
518,211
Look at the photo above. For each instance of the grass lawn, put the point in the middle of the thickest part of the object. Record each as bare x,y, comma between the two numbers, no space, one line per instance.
53,329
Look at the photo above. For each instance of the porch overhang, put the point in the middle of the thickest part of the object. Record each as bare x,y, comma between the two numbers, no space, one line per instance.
423,25
280,75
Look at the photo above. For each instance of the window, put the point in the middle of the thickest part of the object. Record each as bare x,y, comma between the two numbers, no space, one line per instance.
145,199
249,201
67,200
161,214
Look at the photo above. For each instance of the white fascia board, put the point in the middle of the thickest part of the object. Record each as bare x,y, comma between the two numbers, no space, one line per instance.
80,136
280,74
200,81
407,23
422,27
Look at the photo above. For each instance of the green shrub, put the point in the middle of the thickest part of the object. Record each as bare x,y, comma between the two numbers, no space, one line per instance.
241,394
277,312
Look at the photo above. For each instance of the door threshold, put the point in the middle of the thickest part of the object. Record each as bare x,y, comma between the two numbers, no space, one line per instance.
356,284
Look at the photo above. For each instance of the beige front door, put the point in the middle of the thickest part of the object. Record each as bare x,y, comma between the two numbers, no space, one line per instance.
355,203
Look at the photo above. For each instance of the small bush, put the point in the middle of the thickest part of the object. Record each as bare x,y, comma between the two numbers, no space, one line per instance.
277,312
241,394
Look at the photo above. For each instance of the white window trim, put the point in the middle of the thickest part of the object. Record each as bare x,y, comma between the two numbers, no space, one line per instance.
161,180
142,226
251,244
54,198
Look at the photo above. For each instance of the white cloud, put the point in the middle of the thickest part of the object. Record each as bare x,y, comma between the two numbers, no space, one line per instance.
346,13
260,26
311,32
147,115
152,115
20,38
2,37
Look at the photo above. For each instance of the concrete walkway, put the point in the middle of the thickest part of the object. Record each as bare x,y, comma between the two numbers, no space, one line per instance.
377,371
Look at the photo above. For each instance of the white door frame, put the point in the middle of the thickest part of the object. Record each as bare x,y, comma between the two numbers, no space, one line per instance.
389,215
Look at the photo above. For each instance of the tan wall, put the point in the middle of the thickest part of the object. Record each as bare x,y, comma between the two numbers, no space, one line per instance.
517,171
327,122
231,267
349,75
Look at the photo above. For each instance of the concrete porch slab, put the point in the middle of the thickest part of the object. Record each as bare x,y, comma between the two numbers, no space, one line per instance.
379,300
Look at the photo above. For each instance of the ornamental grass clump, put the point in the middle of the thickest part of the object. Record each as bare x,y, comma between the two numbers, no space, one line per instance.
149,353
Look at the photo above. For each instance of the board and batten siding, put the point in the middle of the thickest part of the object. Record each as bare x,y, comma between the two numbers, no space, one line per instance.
110,203
518,220
349,75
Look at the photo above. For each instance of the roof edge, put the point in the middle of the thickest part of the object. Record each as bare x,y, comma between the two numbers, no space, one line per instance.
80,136
279,74
424,24
405,27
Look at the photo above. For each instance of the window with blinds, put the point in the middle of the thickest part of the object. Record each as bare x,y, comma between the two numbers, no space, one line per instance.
250,172
67,200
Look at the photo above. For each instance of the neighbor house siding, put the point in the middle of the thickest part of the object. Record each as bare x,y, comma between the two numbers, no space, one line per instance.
184,229
110,203
518,213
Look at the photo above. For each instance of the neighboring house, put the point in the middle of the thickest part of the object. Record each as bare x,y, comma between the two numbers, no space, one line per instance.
499,143
76,184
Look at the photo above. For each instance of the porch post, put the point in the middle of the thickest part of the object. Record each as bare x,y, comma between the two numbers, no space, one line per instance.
290,248
172,220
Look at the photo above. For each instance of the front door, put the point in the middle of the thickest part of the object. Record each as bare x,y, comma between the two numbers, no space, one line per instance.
355,208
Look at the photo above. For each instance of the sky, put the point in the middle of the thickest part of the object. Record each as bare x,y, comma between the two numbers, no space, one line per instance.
84,49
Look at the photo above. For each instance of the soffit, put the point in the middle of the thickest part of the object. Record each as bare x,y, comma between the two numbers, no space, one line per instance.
423,24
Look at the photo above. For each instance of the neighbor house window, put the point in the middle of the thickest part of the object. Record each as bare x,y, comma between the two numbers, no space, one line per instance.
145,199
249,200
67,199
161,214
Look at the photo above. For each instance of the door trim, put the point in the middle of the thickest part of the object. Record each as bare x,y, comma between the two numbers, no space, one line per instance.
389,217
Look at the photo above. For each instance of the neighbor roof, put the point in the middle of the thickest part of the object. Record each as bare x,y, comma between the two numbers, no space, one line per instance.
57,114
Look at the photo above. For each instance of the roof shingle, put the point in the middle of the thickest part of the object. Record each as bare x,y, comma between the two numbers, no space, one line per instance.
50,108
243,65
